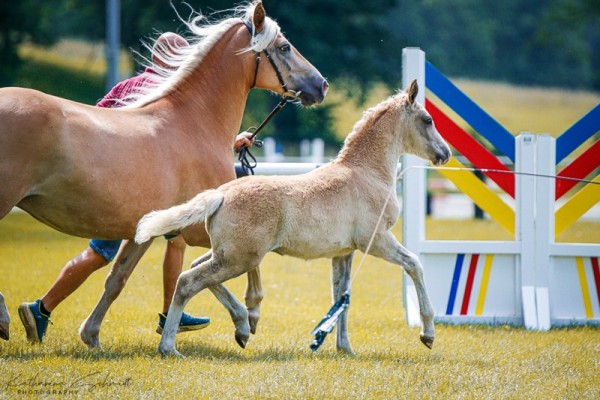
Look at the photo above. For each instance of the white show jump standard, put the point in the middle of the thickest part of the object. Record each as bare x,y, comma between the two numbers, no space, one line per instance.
329,212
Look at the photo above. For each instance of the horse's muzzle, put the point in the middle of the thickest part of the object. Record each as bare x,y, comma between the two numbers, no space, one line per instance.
315,94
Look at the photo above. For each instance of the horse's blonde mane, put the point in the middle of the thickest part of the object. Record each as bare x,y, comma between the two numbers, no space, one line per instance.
180,61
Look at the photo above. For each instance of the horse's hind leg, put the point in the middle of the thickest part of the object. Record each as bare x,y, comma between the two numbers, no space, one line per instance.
238,313
388,248
253,297
122,268
210,273
340,280
4,319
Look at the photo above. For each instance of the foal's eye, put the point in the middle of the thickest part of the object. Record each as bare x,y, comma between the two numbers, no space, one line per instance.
285,48
427,120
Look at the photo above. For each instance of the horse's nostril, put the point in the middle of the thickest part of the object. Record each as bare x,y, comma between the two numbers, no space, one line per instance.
325,88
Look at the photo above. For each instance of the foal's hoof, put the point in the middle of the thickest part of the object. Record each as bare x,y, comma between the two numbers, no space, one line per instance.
427,341
170,353
4,330
241,340
92,341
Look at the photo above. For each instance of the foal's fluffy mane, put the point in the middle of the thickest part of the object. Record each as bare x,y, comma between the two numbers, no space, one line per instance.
181,60
369,118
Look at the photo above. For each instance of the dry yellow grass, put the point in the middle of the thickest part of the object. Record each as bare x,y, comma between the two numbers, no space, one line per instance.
472,362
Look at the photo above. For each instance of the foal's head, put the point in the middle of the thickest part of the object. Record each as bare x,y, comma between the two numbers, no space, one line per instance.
419,134
287,67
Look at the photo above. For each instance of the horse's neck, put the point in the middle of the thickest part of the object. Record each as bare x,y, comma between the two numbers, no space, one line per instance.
214,94
372,151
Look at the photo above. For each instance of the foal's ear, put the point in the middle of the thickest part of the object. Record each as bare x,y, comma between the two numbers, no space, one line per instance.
258,19
412,91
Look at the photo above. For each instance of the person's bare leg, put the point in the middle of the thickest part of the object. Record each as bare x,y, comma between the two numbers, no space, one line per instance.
73,274
172,266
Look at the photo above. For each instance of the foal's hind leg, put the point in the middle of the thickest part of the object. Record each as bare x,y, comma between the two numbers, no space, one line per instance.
4,319
387,247
211,273
253,297
126,261
340,280
238,313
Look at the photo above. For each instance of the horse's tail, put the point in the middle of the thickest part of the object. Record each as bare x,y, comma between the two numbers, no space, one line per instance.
178,217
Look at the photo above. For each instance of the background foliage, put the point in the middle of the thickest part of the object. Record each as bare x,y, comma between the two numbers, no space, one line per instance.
355,44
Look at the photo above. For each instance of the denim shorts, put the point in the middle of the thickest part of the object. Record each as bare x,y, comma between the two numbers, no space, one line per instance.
109,248
106,248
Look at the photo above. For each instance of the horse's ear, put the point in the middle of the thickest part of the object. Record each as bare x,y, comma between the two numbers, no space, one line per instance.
412,91
258,19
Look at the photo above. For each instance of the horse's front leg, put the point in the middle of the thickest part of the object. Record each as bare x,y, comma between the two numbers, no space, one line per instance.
340,281
387,247
253,297
4,320
126,260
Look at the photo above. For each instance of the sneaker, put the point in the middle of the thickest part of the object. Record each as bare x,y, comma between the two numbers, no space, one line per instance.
186,324
34,321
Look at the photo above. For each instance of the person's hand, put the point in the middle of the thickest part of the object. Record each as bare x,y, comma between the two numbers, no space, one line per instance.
244,139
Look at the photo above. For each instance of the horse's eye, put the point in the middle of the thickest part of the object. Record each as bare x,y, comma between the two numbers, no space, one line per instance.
428,120
285,48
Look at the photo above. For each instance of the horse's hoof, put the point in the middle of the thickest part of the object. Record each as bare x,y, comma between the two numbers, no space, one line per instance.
4,330
91,341
253,321
346,350
241,340
170,352
427,341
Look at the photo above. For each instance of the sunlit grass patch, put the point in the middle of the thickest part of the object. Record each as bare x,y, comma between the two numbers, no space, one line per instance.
470,362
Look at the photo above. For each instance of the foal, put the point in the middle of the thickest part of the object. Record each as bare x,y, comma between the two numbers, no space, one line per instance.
328,212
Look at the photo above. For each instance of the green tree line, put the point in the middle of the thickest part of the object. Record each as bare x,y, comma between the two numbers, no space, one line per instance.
356,43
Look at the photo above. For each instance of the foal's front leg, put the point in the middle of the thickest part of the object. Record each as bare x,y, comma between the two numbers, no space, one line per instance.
4,319
387,247
127,259
340,281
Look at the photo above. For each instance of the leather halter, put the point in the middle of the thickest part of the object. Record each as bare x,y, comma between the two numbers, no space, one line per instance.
248,165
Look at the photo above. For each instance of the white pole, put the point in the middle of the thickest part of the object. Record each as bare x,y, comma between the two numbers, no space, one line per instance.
525,225
413,186
544,225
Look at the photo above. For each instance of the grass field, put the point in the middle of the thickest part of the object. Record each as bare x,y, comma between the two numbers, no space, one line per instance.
468,362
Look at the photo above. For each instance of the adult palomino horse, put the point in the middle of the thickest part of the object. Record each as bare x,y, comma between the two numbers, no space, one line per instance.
94,172
329,212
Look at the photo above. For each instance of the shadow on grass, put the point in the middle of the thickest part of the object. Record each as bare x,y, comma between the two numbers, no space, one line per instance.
194,351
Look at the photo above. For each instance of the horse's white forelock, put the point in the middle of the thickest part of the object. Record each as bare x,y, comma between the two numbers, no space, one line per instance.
181,60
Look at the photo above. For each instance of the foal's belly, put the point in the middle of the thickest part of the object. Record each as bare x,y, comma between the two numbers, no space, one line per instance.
316,249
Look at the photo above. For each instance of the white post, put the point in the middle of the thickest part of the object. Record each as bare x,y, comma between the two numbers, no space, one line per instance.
413,185
544,225
269,149
317,150
525,224
305,150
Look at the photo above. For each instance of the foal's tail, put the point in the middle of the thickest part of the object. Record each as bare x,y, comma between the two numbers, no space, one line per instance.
178,217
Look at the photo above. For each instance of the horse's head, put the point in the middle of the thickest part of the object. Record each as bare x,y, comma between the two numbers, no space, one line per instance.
421,138
282,68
